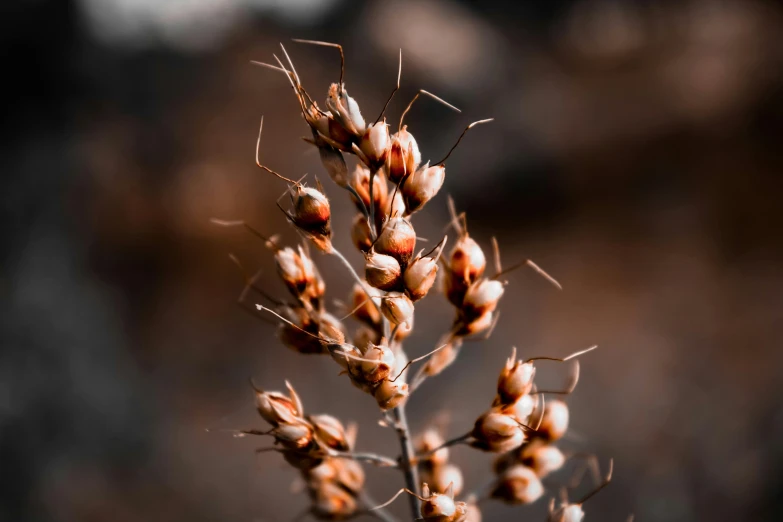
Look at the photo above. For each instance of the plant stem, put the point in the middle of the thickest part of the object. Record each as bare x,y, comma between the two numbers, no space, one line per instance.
409,469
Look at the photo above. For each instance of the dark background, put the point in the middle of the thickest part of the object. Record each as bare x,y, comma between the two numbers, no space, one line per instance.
636,155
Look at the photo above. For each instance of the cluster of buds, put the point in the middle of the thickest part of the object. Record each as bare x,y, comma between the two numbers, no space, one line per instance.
312,444
438,507
434,466
572,511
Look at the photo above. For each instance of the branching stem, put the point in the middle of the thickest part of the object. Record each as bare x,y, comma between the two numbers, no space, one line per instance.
407,464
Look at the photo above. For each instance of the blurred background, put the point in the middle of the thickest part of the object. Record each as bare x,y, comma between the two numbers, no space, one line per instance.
635,155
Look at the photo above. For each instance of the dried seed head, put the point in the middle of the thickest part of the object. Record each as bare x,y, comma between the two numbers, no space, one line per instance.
364,337
396,205
422,186
515,381
419,277
376,366
306,334
297,435
481,297
277,409
365,310
404,156
302,460
375,143
397,239
397,307
518,485
468,326
360,233
555,421
334,163
360,182
438,506
330,431
382,271
389,394
350,474
428,441
299,274
541,457
442,359
497,432
313,216
440,477
567,513
345,110
404,330
331,502
522,409
467,261
318,120
341,353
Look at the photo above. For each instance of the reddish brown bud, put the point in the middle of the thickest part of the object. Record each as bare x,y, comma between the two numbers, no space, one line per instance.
422,186
297,435
299,274
497,432
467,260
515,381
303,336
360,182
360,233
364,310
567,513
404,156
419,277
276,408
397,239
397,307
375,143
518,485
382,271
312,215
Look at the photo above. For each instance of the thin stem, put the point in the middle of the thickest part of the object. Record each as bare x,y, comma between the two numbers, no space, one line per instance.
358,279
373,228
409,468
379,513
373,458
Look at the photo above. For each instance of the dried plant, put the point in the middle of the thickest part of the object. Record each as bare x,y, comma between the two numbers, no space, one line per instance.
388,185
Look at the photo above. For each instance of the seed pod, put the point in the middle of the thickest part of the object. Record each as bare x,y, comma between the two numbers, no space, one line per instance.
364,310
422,186
555,421
397,307
276,408
518,485
360,182
302,460
428,441
299,274
382,271
567,513
541,457
334,163
440,477
360,233
345,110
481,297
304,336
349,474
395,206
404,156
467,326
330,431
318,121
297,435
497,433
443,358
397,239
522,409
515,381
389,394
404,330
312,215
467,261
419,277
376,366
375,143
331,502
439,507
365,337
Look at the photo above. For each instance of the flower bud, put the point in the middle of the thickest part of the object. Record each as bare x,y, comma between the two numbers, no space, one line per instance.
404,156
497,432
375,143
404,330
382,271
441,507
389,394
397,239
345,110
397,307
555,421
409,144
419,277
515,380
360,233
318,121
360,182
467,261
276,408
440,477
482,297
297,435
302,460
334,163
330,431
350,474
422,186
541,457
304,336
518,485
364,310
567,513
376,366
443,358
312,215
469,326
331,502
299,273
523,408
365,337
428,441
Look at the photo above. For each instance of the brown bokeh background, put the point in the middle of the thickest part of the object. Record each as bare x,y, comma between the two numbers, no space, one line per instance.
635,154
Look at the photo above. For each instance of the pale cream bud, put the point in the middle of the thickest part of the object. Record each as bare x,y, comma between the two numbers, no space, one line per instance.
469,326
389,394
518,485
497,432
297,435
329,431
345,110
438,507
419,277
397,307
428,441
541,457
555,421
523,408
376,366
481,297
404,156
567,513
276,408
382,271
409,144
375,143
397,239
467,260
441,477
349,474
515,380
422,186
